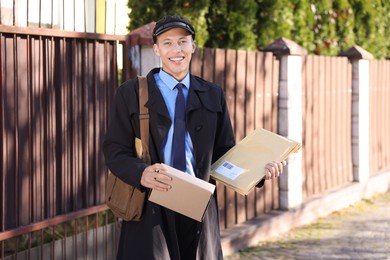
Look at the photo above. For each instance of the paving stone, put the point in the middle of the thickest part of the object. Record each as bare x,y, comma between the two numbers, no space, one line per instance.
361,231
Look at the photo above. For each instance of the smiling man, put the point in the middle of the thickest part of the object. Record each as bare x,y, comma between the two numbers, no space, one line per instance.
190,129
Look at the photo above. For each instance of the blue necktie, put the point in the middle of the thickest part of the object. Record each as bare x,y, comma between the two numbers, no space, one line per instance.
179,131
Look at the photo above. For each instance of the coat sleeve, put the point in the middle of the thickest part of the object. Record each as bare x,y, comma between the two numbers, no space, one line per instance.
118,145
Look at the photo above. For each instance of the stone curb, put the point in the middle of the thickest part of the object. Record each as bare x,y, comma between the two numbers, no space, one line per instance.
276,222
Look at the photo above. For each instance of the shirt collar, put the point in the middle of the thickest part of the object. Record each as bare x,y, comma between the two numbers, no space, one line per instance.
171,82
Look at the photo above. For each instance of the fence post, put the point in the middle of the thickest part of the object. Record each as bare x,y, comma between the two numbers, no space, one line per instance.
290,116
359,59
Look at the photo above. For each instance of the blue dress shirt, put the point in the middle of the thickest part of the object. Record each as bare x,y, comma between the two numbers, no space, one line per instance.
166,84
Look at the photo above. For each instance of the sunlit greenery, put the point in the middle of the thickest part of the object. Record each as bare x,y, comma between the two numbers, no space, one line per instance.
325,27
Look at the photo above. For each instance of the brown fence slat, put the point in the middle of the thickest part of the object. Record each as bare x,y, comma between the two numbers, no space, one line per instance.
348,141
381,130
239,116
50,128
304,76
101,119
250,120
2,150
377,118
316,128
332,122
275,94
267,120
274,120
258,121
380,115
259,91
386,109
36,129
2,165
347,112
230,85
196,63
340,112
90,108
250,94
240,120
341,119
345,119
321,126
208,64
333,148
219,76
9,137
22,99
307,117
373,118
335,154
267,105
328,125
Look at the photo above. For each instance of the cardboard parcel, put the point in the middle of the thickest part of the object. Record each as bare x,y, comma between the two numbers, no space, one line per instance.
189,195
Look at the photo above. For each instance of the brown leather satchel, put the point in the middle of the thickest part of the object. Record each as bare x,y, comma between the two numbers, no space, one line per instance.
125,201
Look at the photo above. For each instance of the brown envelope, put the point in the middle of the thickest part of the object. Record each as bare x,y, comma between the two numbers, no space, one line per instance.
189,195
242,167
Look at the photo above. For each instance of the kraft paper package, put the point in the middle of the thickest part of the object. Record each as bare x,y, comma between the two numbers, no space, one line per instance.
242,167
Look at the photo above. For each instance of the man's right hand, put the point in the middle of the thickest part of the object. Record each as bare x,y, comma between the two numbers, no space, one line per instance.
155,177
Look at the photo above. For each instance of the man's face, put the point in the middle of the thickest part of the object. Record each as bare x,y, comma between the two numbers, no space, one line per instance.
175,48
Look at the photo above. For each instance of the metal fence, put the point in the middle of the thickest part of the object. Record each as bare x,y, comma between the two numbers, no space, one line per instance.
55,93
379,116
326,106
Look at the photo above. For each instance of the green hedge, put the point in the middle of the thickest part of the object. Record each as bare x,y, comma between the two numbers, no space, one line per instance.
325,27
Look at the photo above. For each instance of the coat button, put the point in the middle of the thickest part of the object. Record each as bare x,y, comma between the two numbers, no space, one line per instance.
198,128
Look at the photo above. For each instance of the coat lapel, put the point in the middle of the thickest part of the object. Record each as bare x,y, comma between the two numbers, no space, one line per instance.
160,120
194,101
156,103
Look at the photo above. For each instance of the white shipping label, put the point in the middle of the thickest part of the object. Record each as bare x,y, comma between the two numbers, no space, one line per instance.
229,170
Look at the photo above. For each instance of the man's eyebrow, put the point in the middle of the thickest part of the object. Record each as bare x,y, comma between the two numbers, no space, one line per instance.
171,38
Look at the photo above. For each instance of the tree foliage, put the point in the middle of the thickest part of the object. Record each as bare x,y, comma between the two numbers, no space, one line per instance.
274,20
386,22
325,27
230,24
370,26
303,24
144,12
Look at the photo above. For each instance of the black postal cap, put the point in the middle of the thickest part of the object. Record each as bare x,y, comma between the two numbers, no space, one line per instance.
168,22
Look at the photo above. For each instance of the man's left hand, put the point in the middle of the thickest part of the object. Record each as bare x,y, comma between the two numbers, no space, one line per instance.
274,169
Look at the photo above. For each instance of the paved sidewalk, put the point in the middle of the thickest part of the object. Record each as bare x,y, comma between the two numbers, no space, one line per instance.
361,231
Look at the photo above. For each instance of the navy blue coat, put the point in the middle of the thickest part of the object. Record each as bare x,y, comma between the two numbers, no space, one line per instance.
210,129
